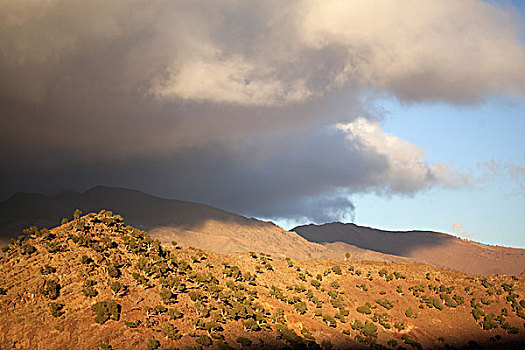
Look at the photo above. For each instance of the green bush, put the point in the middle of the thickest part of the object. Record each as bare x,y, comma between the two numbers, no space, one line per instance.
251,325
106,310
365,309
117,288
329,320
300,307
387,304
307,335
56,309
51,289
130,324
46,269
204,340
153,344
413,343
409,313
89,289
76,214
86,260
113,271
244,341
28,249
171,332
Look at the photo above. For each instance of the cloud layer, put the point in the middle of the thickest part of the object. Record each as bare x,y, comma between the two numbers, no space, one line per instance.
236,103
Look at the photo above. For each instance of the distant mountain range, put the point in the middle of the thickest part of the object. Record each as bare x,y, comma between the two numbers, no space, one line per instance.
201,226
427,247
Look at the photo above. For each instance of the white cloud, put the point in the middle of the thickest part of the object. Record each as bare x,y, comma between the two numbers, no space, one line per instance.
421,49
406,169
231,99
230,80
266,53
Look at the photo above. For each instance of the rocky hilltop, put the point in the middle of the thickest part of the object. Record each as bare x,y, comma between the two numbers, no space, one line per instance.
94,282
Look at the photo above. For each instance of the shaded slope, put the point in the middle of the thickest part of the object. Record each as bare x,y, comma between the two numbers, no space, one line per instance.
427,247
190,224
144,211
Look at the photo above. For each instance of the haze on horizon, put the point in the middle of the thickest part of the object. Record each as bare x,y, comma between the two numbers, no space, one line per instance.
309,111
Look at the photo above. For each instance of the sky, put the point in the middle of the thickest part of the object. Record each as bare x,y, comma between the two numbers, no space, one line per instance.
390,114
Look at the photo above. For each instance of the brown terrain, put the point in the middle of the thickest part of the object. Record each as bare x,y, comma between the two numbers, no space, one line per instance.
211,229
437,249
94,282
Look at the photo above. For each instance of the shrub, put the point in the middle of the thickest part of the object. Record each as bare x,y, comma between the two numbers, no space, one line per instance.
106,310
117,288
337,270
46,269
413,343
392,343
387,304
56,309
329,320
170,331
399,325
86,260
300,307
244,341
364,309
153,344
113,271
489,322
76,214
409,313
477,313
204,340
175,314
130,324
51,289
251,325
28,249
369,330
306,333
89,289
223,346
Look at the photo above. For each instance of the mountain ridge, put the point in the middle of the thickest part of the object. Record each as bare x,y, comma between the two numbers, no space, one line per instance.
203,226
433,248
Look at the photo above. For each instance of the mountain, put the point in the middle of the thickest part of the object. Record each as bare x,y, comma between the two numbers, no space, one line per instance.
97,283
189,224
433,248
204,227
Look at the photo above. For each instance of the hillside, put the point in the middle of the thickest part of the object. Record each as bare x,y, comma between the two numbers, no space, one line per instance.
201,226
190,224
437,249
95,282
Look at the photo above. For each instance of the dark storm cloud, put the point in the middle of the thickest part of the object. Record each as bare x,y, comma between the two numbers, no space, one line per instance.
235,103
